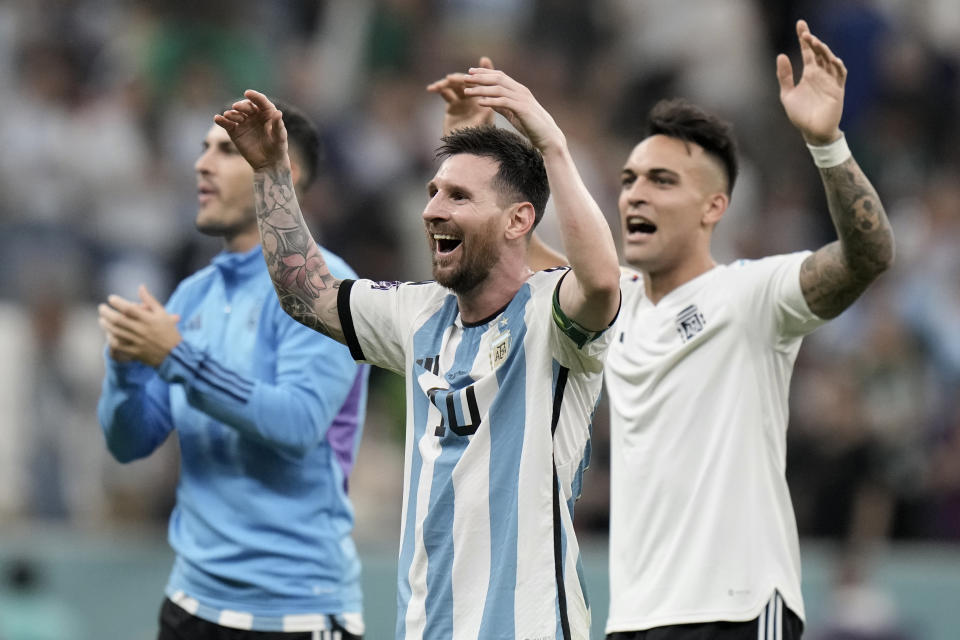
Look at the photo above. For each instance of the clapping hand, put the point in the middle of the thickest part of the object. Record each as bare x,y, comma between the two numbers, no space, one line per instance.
143,331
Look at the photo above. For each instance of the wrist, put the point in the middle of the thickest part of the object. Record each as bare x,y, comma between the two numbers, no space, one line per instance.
273,168
830,154
556,147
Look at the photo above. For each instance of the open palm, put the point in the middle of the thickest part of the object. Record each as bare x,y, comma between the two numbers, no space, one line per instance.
815,104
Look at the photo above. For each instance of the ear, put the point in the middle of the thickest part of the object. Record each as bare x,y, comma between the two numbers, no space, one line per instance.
295,167
715,206
520,220
295,171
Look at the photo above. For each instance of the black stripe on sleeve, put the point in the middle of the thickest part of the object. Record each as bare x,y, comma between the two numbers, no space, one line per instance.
226,376
346,319
195,370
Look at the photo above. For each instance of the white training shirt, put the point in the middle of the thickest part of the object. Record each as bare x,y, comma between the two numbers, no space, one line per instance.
701,524
498,435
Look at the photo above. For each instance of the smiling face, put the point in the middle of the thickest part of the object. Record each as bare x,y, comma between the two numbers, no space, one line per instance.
224,190
672,194
464,221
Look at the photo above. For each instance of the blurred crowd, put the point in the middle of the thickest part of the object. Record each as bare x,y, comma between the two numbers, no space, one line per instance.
105,104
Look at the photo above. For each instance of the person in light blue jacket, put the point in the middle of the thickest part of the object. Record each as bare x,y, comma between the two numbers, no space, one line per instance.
268,415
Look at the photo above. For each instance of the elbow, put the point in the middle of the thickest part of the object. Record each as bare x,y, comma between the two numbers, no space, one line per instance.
889,256
122,446
123,452
607,288
288,306
605,295
882,259
294,432
297,447
868,261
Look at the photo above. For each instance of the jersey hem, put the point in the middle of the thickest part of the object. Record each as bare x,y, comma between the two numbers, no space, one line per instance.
703,617
236,618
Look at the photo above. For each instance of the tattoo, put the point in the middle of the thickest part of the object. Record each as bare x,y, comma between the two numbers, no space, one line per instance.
833,277
304,284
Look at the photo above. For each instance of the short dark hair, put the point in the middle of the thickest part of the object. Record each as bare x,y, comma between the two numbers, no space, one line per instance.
681,119
521,174
302,137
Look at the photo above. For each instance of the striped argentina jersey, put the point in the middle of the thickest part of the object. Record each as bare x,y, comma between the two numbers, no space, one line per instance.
498,435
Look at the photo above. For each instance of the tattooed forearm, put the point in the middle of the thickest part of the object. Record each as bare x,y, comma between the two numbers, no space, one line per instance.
833,277
306,288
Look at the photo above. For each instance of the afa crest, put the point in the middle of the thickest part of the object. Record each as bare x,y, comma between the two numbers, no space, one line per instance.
690,322
499,350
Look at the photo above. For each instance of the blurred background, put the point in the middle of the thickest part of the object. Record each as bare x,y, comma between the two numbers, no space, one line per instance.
103,107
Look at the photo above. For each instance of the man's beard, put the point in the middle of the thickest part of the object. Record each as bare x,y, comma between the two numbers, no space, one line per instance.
473,268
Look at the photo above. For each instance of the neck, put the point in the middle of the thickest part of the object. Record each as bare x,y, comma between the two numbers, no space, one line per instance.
242,242
494,293
661,282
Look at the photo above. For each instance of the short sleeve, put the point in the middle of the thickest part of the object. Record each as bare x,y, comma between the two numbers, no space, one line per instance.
776,289
377,318
574,346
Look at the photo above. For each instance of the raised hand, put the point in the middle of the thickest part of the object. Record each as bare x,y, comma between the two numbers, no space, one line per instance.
144,332
495,89
462,111
815,104
256,128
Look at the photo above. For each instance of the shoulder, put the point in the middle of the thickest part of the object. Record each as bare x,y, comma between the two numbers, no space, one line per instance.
767,264
407,295
547,278
632,284
630,278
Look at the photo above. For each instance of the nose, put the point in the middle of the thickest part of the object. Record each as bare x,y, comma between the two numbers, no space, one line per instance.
435,211
636,194
204,164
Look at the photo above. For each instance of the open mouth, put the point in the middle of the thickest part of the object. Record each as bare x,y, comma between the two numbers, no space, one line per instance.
639,224
446,243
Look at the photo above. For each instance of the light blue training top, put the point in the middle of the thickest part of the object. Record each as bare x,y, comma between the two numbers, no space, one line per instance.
268,414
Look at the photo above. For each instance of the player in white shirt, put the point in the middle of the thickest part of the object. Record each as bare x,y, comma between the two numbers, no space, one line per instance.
503,366
703,541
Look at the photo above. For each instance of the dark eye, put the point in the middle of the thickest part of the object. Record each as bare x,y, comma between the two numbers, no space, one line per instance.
457,195
627,180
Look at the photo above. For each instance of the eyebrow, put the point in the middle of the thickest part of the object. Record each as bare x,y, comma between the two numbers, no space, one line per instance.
220,144
661,173
655,172
450,187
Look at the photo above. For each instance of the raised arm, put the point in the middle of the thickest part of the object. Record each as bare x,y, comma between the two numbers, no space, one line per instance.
304,284
590,295
836,274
